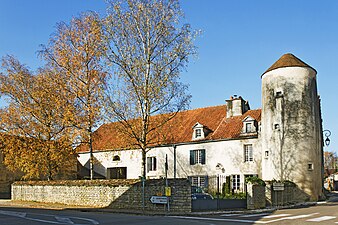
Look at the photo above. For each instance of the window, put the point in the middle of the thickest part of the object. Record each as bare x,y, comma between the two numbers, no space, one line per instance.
279,94
199,181
276,126
151,164
266,154
279,100
310,166
197,156
116,158
249,125
249,128
236,182
198,133
248,154
117,173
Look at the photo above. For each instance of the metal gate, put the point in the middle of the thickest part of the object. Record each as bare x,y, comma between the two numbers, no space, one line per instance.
224,195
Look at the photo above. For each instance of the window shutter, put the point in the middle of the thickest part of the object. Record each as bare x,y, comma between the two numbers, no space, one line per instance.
148,164
206,182
192,158
203,156
190,179
155,164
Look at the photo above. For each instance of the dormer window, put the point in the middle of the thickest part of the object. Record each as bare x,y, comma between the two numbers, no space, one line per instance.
199,131
249,125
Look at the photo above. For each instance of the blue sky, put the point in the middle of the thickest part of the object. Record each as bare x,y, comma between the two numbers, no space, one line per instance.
240,40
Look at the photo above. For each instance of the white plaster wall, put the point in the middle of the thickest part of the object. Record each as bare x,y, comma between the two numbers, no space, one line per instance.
228,153
296,143
132,159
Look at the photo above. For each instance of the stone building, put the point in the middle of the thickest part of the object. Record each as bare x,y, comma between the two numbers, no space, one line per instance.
281,141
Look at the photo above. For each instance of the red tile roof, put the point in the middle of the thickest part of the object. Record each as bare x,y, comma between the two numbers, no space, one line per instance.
177,130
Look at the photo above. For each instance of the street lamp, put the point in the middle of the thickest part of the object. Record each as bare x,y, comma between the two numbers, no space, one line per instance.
327,134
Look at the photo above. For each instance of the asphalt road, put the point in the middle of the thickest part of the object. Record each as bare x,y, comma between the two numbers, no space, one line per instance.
326,213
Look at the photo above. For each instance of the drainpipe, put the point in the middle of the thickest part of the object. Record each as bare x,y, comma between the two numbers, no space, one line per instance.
174,161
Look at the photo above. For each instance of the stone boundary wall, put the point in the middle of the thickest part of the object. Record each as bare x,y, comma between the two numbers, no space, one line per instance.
255,196
290,195
115,194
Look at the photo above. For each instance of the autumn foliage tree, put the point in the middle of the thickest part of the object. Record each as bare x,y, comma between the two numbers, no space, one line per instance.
76,51
148,47
330,162
35,135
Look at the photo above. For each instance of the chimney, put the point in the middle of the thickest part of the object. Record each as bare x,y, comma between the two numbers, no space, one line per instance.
236,106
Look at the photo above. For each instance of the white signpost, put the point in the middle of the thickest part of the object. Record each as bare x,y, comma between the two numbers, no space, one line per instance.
159,199
278,186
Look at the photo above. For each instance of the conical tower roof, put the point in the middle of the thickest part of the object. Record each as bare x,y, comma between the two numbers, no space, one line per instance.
288,60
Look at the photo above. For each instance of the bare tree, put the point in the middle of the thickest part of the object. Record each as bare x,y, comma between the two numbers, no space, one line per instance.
148,47
76,51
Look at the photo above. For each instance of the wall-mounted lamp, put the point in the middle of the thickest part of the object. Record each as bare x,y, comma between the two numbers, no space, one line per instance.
327,134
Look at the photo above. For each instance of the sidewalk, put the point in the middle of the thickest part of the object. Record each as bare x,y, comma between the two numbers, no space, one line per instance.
333,197
7,203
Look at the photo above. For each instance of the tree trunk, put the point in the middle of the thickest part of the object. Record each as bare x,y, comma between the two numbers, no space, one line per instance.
144,155
91,160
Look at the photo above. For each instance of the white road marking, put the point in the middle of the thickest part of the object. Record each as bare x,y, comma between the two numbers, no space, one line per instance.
59,219
11,213
64,220
293,217
218,219
275,216
323,218
85,219
226,215
255,215
299,216
247,221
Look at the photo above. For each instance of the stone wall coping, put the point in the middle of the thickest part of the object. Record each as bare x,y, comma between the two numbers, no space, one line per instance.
109,183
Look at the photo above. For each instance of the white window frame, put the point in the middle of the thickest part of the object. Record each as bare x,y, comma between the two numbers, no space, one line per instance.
248,153
198,156
236,182
151,163
198,181
198,133
249,127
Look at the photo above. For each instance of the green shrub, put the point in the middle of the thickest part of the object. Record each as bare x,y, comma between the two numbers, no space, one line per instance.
255,180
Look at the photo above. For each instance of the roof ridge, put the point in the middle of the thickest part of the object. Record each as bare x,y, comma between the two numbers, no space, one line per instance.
225,119
220,123
206,107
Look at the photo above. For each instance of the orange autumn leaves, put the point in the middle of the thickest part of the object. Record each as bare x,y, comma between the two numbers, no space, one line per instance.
55,108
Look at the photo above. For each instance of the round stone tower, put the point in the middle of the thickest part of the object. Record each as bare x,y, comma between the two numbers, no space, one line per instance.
291,130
